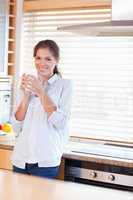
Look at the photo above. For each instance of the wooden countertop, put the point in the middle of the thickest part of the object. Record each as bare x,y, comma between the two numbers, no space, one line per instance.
9,144
24,187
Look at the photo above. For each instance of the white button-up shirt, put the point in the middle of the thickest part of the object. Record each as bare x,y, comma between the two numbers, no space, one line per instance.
41,139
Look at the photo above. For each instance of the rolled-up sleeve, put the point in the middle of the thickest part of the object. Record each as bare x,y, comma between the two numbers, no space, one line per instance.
17,125
60,117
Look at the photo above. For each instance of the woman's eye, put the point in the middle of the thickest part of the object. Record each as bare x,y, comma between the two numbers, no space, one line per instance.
38,58
48,59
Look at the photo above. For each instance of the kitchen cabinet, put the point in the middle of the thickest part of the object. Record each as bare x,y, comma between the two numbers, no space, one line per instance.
5,162
6,148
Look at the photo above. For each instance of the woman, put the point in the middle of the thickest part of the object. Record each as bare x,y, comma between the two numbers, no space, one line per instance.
41,120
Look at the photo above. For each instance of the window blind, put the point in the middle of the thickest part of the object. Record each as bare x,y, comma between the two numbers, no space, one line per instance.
100,68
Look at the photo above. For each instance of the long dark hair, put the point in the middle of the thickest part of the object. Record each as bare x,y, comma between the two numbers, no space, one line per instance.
53,48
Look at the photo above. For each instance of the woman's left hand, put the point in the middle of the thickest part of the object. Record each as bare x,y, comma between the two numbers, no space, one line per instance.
35,85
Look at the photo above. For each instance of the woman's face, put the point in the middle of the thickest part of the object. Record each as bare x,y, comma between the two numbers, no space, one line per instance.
45,63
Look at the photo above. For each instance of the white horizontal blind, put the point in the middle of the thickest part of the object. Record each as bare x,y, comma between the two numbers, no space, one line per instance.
101,69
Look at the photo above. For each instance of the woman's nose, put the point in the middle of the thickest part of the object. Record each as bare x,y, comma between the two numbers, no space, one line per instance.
42,63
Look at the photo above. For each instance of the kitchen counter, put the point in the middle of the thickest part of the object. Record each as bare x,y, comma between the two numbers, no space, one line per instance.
72,151
7,141
24,187
91,152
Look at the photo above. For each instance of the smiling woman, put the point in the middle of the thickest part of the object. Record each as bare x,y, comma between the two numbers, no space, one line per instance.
100,67
41,119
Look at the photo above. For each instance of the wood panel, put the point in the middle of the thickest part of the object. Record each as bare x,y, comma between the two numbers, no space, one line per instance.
11,36
36,5
61,170
5,162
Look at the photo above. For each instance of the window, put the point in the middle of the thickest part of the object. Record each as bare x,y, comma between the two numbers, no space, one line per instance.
101,69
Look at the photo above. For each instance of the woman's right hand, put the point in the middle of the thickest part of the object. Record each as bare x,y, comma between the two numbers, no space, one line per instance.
23,106
24,84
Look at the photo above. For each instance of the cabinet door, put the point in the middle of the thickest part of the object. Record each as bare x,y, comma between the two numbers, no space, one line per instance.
5,162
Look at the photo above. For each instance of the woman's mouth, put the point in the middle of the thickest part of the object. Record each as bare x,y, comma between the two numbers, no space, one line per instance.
44,68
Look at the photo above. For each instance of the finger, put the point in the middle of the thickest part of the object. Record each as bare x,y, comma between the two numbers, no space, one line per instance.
23,83
28,89
31,77
28,85
23,75
22,86
23,78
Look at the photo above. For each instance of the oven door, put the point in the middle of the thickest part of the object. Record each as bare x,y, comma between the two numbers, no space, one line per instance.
99,174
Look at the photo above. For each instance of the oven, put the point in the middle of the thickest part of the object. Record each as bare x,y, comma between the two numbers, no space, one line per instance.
103,175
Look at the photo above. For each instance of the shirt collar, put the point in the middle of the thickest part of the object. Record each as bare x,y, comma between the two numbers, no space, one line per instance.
54,78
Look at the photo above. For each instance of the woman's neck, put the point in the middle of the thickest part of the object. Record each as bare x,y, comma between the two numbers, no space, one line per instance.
44,79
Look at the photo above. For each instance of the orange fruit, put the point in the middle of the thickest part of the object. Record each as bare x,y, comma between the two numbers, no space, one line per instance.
6,127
